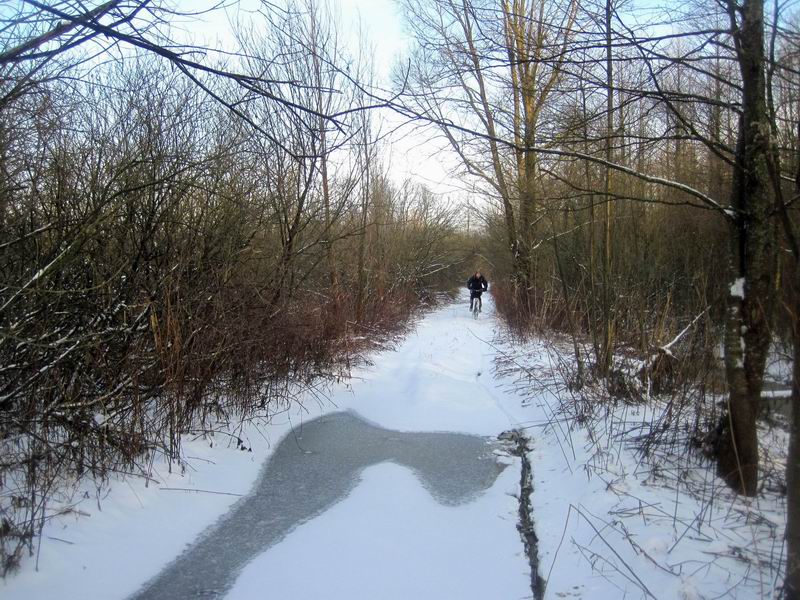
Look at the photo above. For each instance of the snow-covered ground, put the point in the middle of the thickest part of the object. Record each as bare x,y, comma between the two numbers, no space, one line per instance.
607,528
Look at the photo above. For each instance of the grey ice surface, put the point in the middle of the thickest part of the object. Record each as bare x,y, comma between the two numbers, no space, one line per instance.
312,469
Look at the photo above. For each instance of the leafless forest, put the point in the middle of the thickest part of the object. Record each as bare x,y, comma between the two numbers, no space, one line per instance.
191,235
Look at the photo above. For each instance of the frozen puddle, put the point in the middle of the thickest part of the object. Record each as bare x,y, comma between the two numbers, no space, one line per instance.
310,471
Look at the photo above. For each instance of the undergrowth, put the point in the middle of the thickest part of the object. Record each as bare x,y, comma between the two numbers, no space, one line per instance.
227,377
661,433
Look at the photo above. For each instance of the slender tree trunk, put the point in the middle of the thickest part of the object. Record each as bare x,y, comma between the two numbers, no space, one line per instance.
516,51
608,325
361,282
738,456
527,210
715,165
366,190
330,256
579,376
330,252
593,321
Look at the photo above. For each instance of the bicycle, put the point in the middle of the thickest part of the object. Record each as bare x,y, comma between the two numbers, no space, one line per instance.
477,303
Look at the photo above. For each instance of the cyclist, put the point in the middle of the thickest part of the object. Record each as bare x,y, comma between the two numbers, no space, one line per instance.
476,284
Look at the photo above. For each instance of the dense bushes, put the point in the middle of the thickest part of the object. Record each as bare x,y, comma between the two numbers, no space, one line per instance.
163,267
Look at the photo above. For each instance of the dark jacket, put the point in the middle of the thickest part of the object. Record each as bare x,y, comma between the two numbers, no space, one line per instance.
477,284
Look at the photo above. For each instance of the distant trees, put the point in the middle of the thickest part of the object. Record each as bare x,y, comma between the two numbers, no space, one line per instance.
490,68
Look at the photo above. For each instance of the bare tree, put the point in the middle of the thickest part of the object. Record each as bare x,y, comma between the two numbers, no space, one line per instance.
491,68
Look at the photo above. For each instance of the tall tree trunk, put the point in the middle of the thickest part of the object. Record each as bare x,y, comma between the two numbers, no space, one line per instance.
316,48
330,254
792,581
526,38
608,325
589,184
747,336
366,190
527,208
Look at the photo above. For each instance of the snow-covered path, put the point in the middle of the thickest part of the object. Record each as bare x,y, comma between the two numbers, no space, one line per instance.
439,379
608,525
389,533
390,537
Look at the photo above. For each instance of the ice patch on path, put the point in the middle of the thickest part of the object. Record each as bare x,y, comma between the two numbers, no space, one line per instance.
312,469
390,540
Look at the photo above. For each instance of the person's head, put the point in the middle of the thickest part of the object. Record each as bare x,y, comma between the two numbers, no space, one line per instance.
477,273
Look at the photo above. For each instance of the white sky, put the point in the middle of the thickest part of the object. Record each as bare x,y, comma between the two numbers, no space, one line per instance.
408,153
